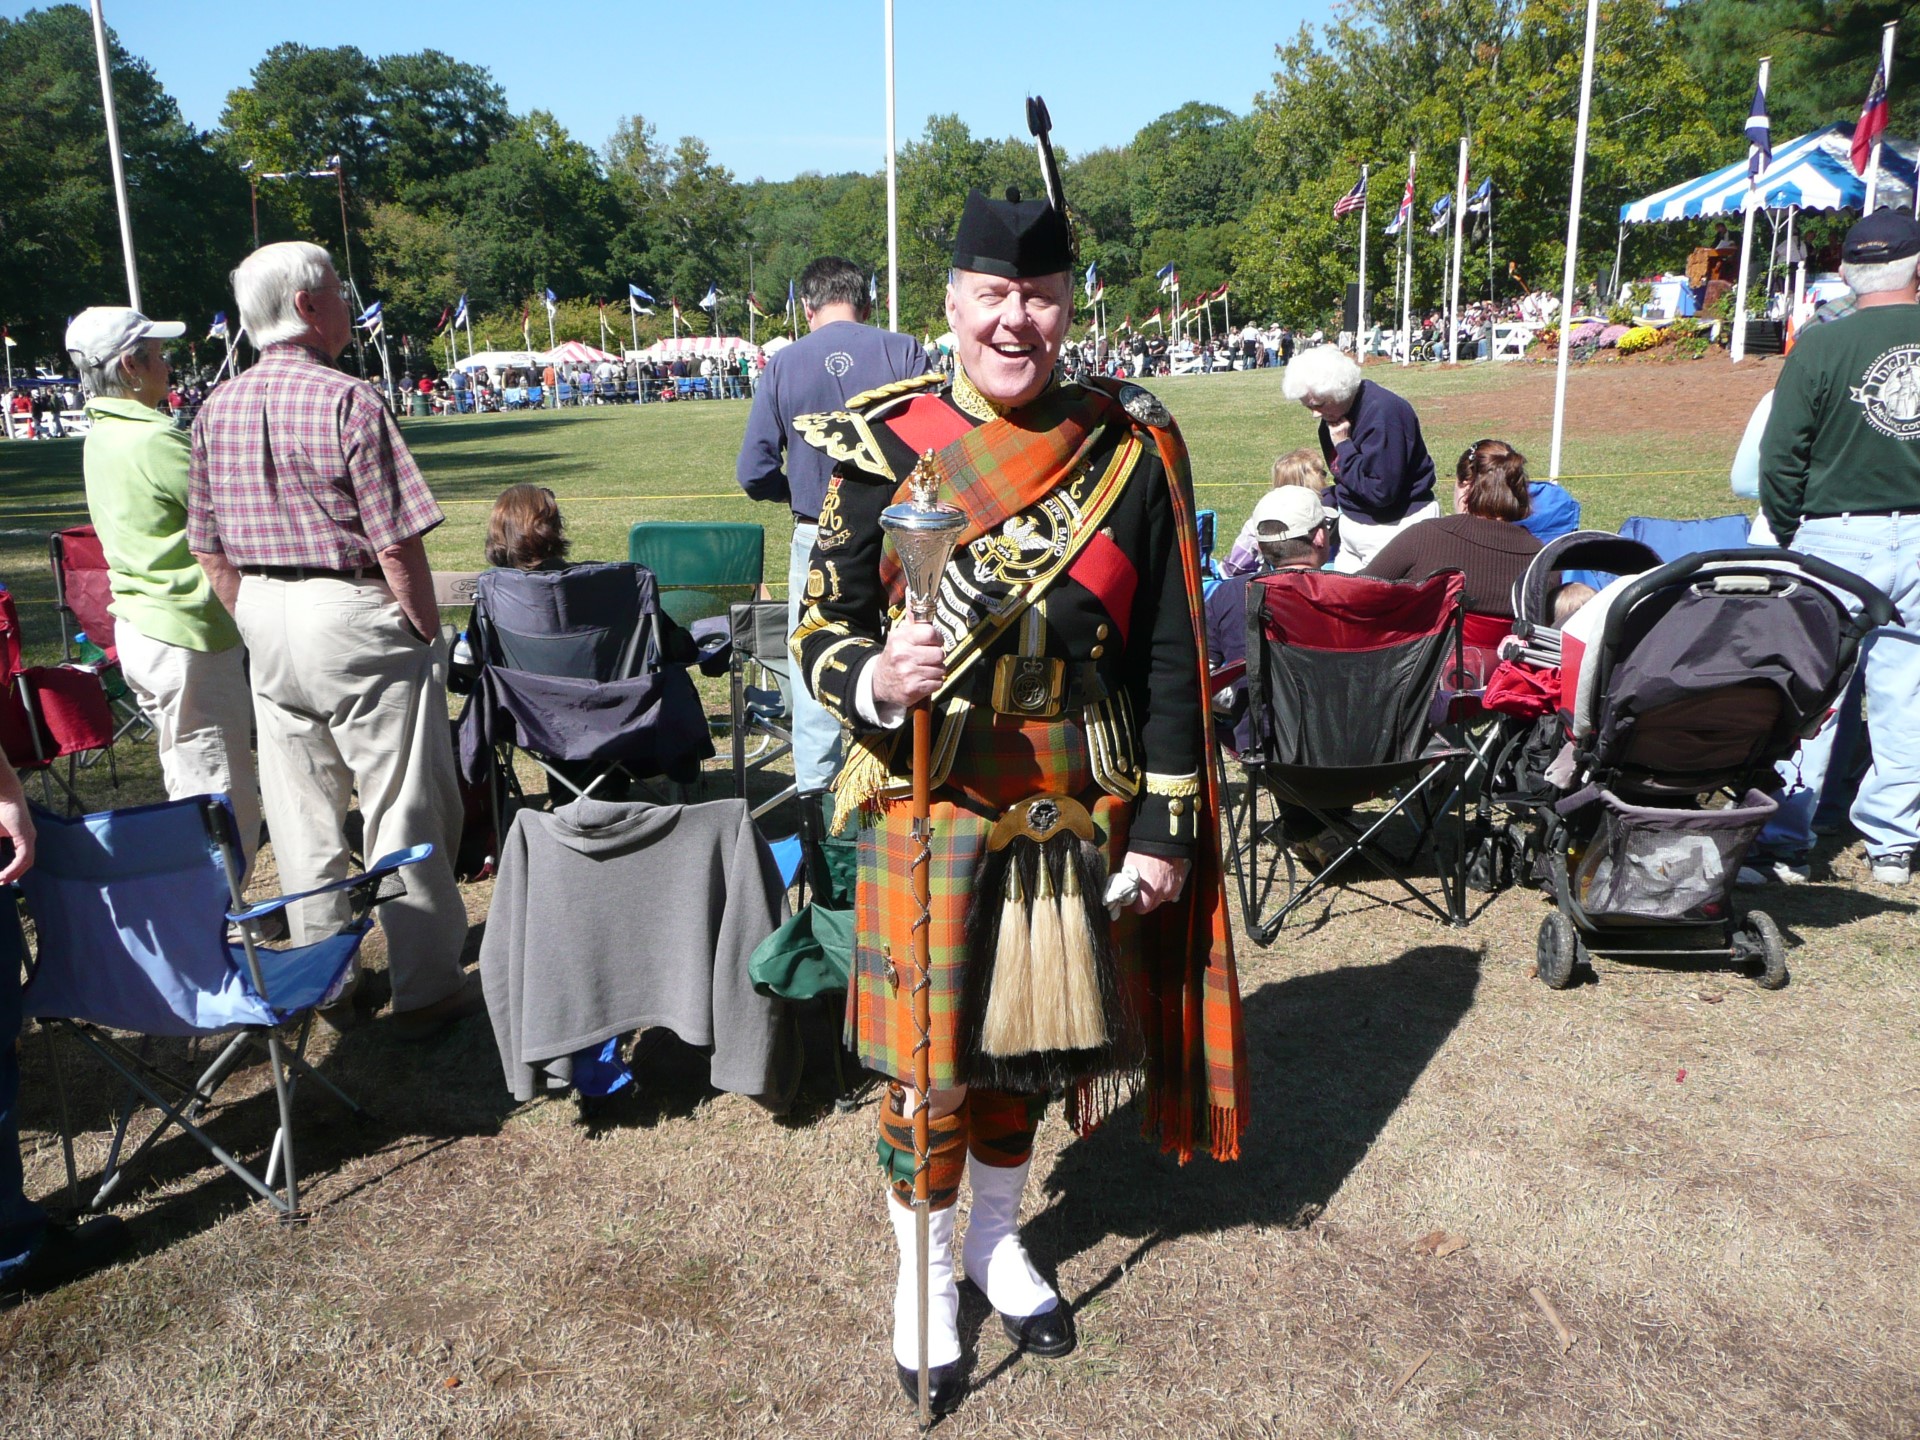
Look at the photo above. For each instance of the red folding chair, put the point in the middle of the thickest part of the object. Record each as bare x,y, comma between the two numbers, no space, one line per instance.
82,595
50,713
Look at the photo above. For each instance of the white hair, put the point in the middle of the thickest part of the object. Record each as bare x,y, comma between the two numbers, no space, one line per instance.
265,283
1879,279
1325,373
106,378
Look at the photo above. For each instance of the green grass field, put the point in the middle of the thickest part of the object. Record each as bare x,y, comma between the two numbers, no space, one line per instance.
613,466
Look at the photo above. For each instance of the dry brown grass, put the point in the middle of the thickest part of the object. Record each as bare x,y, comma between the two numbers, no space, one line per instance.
1733,1251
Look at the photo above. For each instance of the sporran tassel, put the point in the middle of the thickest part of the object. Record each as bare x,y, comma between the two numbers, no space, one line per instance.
1041,1003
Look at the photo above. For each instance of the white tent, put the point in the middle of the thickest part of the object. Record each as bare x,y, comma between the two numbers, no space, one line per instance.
498,360
1812,172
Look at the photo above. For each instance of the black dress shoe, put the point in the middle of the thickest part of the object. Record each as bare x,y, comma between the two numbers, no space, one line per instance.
65,1254
1050,1334
946,1385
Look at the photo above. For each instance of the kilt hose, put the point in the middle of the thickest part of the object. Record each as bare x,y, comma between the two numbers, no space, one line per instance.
1000,760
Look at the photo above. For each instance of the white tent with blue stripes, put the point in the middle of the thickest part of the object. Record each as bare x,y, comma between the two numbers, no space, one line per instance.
1813,172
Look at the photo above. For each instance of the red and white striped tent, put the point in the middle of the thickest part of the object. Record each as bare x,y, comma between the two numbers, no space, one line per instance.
695,347
575,352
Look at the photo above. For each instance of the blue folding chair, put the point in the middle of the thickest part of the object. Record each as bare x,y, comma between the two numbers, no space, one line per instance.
536,396
132,909
1674,540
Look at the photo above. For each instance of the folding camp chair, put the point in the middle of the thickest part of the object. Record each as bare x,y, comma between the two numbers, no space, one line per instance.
1342,674
759,672
50,713
582,671
703,568
131,909
82,593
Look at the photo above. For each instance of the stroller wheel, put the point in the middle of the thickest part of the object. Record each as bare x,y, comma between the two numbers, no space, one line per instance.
1556,952
1765,944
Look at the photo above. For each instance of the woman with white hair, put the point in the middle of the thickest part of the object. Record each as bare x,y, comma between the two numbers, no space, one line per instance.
1382,473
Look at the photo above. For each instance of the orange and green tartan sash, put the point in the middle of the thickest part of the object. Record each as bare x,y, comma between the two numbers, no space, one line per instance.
1197,1085
998,469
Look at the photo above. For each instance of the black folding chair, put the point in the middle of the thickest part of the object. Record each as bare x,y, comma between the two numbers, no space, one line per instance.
582,671
1342,673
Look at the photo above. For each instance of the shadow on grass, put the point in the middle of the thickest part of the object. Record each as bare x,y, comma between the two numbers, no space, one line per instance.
1333,1055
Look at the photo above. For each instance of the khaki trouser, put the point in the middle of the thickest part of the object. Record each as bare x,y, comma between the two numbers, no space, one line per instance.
346,696
203,719
1361,540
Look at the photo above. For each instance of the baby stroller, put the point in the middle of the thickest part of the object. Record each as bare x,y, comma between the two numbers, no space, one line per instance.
1679,690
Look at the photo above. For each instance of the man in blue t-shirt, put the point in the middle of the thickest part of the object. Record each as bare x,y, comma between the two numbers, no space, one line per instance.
840,358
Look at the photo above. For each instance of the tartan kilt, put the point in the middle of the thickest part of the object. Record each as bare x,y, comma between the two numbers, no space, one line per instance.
1001,760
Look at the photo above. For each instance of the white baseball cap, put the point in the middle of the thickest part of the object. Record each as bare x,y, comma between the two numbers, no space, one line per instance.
99,333
1289,512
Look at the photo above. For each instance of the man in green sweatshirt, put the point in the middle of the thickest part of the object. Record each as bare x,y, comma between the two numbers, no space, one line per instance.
177,645
1840,479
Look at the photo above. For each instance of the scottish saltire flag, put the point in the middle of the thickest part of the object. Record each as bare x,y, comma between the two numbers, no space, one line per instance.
711,300
634,296
1759,137
1481,201
1091,279
1167,276
218,330
552,303
370,316
873,287
460,311
1353,200
789,292
1442,215
1872,123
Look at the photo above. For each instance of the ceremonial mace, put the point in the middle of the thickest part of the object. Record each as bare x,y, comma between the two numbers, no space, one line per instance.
924,532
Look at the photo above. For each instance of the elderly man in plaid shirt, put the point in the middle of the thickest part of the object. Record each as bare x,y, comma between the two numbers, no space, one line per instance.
306,511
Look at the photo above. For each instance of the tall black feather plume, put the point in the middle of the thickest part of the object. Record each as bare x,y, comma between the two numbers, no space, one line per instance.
1040,126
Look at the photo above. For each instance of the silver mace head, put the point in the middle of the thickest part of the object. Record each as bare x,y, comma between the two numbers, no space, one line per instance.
924,533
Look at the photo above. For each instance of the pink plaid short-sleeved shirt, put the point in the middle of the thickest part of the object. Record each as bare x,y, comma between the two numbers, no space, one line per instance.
295,463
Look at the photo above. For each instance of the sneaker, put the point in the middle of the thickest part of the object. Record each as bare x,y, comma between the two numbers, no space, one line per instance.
1893,868
1758,872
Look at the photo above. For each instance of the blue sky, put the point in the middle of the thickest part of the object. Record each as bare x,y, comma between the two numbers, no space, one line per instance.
773,88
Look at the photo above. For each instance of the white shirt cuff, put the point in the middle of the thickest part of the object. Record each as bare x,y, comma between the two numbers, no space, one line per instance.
871,709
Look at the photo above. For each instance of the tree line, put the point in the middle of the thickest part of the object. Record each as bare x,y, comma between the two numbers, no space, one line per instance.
450,191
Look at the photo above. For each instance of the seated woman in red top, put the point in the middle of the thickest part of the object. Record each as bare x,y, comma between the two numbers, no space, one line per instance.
1482,539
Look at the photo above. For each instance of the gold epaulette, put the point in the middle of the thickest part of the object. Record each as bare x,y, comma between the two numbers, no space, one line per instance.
845,439
867,399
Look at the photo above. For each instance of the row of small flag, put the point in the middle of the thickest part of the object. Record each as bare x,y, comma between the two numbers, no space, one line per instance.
1478,203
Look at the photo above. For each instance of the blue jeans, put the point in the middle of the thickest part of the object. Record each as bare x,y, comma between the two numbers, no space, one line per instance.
816,734
21,1221
1884,550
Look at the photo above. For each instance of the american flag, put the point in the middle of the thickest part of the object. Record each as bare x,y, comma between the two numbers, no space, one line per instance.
1353,200
1872,122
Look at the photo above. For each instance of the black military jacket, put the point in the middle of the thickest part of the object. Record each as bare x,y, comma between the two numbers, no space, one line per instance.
1109,644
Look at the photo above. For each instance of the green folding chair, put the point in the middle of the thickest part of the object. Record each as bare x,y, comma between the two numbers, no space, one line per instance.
703,568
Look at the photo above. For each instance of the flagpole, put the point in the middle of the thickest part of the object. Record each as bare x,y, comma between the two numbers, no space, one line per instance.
1886,86
114,156
893,203
1406,288
1737,351
1360,308
1493,305
1573,241
1459,239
